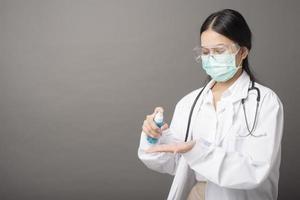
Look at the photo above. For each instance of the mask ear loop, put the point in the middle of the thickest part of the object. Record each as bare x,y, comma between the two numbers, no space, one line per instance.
239,65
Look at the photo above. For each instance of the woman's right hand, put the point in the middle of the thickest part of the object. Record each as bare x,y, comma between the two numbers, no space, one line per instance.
150,127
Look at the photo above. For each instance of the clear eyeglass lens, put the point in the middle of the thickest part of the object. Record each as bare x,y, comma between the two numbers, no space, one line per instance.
216,50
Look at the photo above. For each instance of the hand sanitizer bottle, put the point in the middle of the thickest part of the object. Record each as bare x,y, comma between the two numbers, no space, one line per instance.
159,120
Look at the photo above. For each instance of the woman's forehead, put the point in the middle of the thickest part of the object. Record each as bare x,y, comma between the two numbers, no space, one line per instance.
212,38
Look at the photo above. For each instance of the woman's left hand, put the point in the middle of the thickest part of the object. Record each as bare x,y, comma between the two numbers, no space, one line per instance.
181,147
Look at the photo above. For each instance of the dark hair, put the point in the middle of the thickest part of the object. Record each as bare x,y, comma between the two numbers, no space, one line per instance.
232,25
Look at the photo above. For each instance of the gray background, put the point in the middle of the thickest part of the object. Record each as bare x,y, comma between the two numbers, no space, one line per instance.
77,79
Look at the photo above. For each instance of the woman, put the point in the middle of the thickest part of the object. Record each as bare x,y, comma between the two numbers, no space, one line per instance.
234,143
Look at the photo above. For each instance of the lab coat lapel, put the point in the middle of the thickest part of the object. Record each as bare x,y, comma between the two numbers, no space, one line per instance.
183,181
240,92
204,93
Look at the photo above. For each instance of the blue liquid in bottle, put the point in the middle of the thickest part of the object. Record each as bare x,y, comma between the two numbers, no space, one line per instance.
159,121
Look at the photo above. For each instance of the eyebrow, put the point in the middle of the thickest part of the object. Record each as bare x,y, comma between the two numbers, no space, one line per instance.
214,45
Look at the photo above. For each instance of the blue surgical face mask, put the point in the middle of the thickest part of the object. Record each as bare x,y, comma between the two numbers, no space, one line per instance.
220,67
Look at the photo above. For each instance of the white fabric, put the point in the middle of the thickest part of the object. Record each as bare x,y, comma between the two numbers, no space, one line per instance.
235,167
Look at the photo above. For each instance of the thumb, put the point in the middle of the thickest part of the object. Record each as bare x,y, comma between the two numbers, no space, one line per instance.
191,143
164,127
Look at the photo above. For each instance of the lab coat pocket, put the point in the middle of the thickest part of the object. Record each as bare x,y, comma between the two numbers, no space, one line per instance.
241,131
254,147
246,133
239,139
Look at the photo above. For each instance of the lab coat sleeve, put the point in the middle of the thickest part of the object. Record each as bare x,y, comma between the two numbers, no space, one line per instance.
247,169
163,162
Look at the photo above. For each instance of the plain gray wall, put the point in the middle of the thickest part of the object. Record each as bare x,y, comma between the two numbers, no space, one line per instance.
79,77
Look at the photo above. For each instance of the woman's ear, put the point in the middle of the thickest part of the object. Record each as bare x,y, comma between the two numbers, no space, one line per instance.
245,52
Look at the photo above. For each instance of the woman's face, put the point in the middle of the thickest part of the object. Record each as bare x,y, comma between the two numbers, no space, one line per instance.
211,39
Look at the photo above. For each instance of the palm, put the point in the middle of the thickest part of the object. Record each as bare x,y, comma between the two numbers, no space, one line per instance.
181,147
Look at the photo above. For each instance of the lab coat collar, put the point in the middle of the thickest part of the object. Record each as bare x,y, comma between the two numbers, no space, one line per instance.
237,91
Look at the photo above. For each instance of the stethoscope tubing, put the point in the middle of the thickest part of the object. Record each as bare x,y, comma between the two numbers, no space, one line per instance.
243,103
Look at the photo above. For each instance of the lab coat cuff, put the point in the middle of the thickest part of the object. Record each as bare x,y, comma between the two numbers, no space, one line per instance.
200,150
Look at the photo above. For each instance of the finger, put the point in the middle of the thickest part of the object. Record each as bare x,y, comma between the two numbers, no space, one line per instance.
185,147
156,148
146,131
150,129
191,142
156,133
153,125
155,130
160,148
150,132
164,127
145,127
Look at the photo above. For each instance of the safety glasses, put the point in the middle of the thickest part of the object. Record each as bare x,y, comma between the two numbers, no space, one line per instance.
215,50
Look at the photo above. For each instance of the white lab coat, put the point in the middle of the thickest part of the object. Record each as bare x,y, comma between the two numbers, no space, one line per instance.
235,167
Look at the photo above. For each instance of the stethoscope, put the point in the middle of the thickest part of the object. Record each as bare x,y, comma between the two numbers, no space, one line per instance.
244,109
